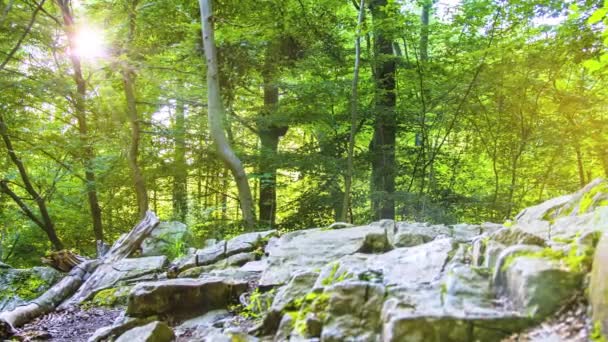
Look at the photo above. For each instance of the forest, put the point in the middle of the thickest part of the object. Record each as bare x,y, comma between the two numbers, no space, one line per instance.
291,114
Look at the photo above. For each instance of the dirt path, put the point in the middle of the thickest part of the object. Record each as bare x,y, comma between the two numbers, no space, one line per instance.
74,325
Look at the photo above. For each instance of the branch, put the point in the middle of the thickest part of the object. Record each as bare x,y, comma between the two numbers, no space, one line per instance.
24,208
22,38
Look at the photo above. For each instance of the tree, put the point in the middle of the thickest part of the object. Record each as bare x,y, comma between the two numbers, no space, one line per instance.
382,146
216,114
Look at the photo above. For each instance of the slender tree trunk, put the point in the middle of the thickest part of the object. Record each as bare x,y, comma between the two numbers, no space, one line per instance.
382,146
139,182
579,163
217,114
88,155
180,169
354,117
269,134
128,79
45,223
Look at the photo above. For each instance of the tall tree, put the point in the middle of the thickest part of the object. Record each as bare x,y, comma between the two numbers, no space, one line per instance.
382,146
128,78
216,115
79,102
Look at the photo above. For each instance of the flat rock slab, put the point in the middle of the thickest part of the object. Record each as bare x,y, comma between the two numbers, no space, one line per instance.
184,295
307,250
151,332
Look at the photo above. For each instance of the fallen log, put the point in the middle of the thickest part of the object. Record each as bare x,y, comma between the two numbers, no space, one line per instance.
80,282
63,260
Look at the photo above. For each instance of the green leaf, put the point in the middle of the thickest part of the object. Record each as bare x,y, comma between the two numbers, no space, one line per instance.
598,15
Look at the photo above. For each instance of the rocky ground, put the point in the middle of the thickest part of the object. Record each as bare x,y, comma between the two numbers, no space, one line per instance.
74,325
571,324
383,282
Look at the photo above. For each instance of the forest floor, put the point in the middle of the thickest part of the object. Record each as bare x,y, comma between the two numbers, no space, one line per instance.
570,324
74,325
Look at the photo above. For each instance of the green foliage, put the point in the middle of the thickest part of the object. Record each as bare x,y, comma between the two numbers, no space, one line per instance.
596,333
334,277
259,303
25,285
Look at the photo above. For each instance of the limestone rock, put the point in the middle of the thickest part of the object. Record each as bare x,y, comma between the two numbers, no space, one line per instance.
515,236
18,286
407,234
537,286
353,312
152,332
598,287
183,295
165,236
307,250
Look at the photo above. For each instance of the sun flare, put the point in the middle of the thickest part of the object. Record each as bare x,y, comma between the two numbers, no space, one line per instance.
89,43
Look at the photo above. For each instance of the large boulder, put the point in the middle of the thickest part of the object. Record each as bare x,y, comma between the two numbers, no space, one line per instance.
184,296
151,332
18,286
598,287
408,234
168,238
307,250
537,286
353,309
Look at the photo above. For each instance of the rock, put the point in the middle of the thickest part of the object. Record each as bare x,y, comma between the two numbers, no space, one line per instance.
307,250
505,256
199,327
537,286
297,288
492,253
183,296
121,325
234,260
285,329
151,332
515,236
412,234
598,287
353,310
3,265
19,286
241,244
465,232
466,286
340,225
130,270
165,239
541,211
114,296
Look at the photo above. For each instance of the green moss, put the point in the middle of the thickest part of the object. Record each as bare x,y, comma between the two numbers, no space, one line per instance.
587,201
259,303
111,297
25,285
596,334
313,303
576,259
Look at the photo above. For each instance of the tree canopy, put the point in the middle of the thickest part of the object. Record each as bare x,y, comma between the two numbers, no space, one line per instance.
439,111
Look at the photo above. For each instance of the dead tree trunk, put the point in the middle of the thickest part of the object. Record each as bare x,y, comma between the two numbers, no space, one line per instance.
83,278
217,113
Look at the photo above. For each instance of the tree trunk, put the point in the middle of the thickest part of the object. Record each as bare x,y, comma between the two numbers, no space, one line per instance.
180,169
382,146
269,134
354,117
88,154
128,78
45,223
139,182
216,115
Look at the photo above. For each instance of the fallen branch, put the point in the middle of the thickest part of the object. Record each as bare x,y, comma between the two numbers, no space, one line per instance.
82,279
